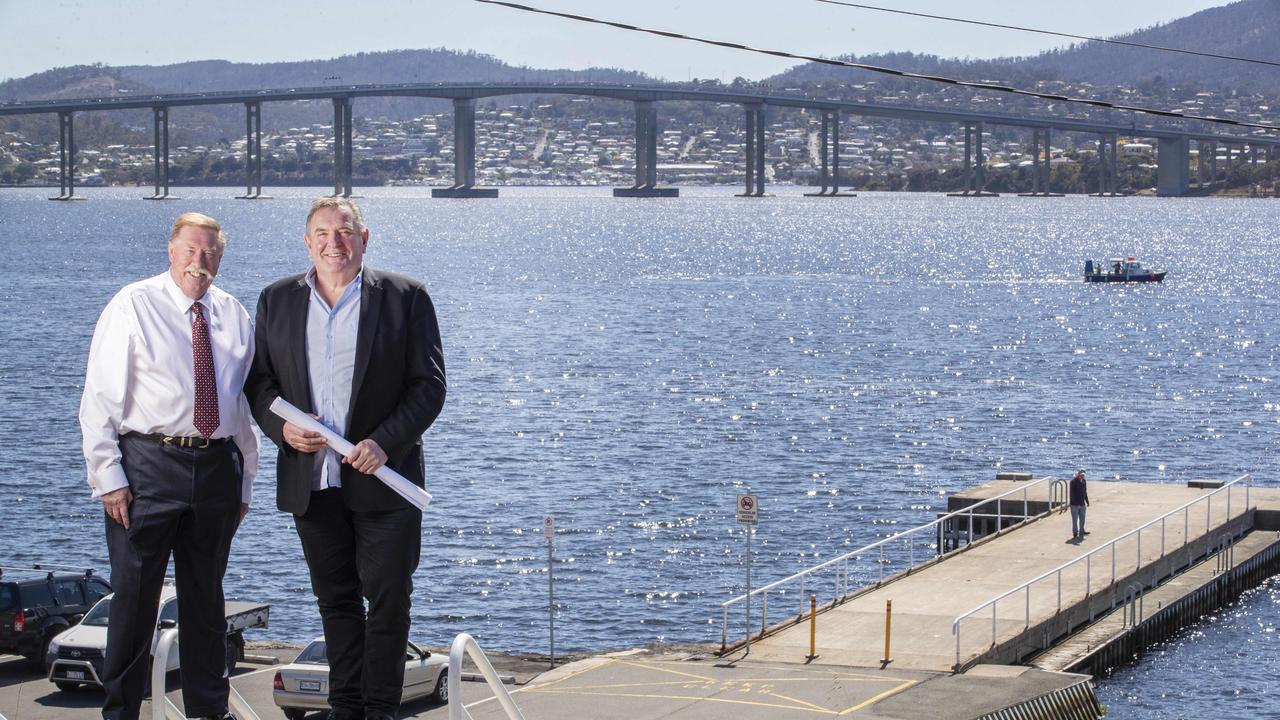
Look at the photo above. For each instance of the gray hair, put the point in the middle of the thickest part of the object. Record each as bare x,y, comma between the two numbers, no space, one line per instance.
338,203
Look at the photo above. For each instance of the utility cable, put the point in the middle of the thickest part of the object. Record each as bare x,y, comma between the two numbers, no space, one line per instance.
887,71
1127,43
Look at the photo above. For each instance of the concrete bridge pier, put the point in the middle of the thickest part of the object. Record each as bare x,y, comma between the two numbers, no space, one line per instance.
253,154
829,147
975,164
464,155
1201,149
1173,167
342,131
1107,166
160,153
1040,165
66,158
755,150
646,184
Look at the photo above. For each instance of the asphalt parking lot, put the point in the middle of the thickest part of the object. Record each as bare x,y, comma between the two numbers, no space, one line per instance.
27,695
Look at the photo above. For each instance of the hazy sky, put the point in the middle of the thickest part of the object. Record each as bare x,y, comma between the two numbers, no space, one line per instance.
44,34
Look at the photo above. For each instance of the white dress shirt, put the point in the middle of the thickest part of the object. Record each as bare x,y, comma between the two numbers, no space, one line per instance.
141,376
331,365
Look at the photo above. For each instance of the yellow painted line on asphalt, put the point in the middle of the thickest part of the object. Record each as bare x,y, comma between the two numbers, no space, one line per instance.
812,671
583,671
679,683
673,672
688,697
881,696
801,702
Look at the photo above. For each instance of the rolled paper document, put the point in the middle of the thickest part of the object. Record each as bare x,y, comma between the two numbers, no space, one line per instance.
416,496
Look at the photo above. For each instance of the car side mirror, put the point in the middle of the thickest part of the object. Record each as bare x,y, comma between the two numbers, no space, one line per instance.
167,624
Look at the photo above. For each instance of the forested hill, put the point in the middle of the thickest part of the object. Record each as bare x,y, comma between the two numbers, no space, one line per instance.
1249,28
395,66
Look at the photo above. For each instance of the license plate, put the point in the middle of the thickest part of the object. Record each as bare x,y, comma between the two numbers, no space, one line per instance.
75,674
309,685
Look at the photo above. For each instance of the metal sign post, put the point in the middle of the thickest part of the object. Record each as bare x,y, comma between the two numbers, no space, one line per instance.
748,512
549,531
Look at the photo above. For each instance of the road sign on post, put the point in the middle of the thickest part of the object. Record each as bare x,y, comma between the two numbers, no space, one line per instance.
748,512
549,531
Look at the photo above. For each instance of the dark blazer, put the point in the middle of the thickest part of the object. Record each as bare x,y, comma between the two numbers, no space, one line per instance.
398,386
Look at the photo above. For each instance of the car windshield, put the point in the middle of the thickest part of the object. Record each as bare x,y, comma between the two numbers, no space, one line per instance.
314,654
97,615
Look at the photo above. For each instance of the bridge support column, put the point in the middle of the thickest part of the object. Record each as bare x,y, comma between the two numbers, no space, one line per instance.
1173,165
253,153
646,184
66,158
1040,165
829,146
160,153
750,154
1213,166
342,131
1107,151
464,155
975,174
761,148
1200,153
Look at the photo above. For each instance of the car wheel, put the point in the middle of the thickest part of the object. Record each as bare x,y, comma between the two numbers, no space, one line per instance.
66,686
441,693
294,713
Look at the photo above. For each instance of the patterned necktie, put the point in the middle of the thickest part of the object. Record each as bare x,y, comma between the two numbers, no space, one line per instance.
206,415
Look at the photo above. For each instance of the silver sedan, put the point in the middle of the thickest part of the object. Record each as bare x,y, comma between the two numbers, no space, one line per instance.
303,685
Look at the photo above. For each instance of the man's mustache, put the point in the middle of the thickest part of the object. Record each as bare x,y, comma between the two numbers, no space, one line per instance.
198,272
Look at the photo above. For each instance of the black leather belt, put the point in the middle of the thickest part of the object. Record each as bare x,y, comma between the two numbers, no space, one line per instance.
196,442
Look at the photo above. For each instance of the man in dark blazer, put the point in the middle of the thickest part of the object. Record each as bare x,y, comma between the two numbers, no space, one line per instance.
360,350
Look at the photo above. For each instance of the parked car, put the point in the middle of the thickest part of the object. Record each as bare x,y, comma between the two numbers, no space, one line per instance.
75,657
36,605
303,684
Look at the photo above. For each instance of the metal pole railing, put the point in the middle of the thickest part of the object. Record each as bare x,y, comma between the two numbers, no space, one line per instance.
464,644
839,564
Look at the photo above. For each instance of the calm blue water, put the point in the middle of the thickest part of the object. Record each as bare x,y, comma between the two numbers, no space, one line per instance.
629,366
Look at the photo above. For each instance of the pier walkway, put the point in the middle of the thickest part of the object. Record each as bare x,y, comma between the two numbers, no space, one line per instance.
927,601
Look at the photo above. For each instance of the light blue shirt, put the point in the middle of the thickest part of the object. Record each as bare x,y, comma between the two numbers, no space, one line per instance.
331,364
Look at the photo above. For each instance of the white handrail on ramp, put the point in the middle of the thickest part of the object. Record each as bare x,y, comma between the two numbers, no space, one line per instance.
464,644
162,708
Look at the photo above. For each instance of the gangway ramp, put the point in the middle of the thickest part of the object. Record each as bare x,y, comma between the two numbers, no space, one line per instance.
928,600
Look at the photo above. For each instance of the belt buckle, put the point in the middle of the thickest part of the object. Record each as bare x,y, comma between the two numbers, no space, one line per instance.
199,447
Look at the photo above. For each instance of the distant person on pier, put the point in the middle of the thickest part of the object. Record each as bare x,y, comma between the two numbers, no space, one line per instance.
1078,499
360,349
171,451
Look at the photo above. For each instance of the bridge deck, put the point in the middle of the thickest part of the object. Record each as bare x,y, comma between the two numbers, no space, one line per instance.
926,602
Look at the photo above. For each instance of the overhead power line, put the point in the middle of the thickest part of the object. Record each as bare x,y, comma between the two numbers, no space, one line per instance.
993,87
1126,43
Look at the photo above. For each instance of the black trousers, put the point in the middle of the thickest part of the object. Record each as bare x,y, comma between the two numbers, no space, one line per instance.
355,555
186,502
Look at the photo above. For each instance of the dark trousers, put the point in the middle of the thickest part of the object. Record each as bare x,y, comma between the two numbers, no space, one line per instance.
355,555
186,502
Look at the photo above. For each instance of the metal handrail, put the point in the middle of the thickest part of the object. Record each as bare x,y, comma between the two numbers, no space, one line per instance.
1054,497
160,668
464,644
1087,557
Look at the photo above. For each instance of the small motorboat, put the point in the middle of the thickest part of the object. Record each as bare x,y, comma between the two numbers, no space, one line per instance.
1126,269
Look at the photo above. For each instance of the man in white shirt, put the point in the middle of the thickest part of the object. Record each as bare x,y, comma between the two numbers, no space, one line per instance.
171,451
